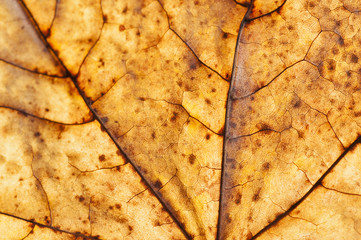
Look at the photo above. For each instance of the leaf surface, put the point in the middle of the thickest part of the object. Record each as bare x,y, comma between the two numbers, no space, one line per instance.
179,119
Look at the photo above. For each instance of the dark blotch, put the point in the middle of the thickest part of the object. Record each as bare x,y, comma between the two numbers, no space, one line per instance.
174,117
102,158
208,136
37,134
256,196
297,104
354,58
105,119
228,218
81,199
121,28
225,35
158,184
341,41
266,166
192,158
238,198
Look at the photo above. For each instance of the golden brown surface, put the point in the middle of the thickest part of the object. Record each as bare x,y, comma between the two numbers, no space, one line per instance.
159,119
293,112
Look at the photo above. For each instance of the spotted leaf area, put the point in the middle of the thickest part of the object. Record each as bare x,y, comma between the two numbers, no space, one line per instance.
160,119
293,124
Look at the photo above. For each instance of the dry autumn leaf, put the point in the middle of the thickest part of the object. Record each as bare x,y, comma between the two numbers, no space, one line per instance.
160,119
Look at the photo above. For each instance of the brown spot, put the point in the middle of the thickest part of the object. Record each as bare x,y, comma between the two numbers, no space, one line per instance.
121,28
153,135
193,66
174,117
47,110
125,9
263,126
256,196
157,184
228,218
208,136
130,228
341,41
214,90
105,18
238,198
297,104
81,198
102,158
354,58
111,207
208,101
266,166
232,124
192,158
258,143
335,51
37,134
311,4
21,179
118,206
225,35
300,134
47,220
105,119
179,83
210,75
118,152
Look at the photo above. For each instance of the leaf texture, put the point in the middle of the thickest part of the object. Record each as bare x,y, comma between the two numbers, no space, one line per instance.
159,119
